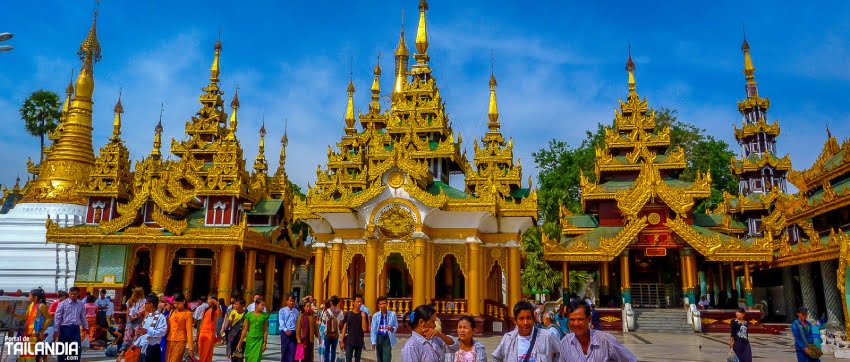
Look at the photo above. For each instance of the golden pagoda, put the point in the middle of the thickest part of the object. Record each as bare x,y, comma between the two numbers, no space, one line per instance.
386,217
190,222
637,209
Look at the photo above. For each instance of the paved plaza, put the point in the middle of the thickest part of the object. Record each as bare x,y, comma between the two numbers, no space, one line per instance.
647,346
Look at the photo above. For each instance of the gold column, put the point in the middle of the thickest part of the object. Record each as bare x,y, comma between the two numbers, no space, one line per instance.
371,274
683,263
694,274
431,291
565,275
189,275
160,252
605,282
419,271
335,278
250,274
318,274
225,271
734,278
625,278
286,274
271,265
720,277
515,286
748,285
474,280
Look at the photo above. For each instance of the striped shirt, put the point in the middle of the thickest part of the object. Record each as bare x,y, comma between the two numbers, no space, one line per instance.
420,349
603,347
71,313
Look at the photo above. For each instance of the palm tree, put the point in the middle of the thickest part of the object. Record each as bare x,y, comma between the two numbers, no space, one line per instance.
537,277
40,113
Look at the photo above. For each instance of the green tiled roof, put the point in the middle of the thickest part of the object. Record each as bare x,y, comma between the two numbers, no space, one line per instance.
267,230
520,193
451,192
715,220
593,238
711,233
266,207
583,221
625,185
195,218
838,188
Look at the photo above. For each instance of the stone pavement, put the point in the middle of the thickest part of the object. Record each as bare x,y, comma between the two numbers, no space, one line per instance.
653,347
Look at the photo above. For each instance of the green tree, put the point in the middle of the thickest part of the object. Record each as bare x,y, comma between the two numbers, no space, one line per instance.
40,113
537,276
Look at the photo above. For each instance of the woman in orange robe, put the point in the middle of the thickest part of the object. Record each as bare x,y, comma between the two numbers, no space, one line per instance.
207,336
179,331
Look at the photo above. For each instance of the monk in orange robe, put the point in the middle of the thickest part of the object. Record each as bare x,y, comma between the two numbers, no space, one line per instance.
207,336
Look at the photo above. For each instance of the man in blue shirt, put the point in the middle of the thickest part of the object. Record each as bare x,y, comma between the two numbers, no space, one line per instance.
802,331
152,330
287,317
384,325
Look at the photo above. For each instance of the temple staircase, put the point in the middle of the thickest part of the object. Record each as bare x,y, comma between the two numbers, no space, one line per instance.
673,320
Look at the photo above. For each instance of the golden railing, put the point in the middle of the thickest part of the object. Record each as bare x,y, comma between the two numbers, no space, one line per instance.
451,306
400,305
495,309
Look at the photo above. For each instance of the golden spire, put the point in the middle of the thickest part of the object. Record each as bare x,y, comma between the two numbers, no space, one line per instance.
17,188
349,110
116,124
630,67
375,105
284,141
214,69
421,32
493,112
401,49
234,120
157,137
401,57
90,48
69,91
260,164
749,69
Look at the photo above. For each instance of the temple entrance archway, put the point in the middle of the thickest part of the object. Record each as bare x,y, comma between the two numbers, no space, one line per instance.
398,282
495,288
141,268
449,283
355,276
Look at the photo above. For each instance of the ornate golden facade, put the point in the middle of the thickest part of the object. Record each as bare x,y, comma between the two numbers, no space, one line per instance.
202,208
386,216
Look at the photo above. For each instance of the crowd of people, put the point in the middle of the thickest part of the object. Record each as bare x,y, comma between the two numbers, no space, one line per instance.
171,329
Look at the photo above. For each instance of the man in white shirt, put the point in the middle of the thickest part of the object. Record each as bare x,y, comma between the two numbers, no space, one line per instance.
253,304
152,330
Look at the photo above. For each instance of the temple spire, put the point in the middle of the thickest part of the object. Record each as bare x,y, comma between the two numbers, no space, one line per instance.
749,70
234,119
214,69
69,92
284,141
260,164
157,136
422,35
493,112
349,109
375,105
630,67
402,54
116,124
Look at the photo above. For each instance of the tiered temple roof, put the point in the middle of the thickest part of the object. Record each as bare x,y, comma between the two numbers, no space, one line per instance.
415,136
639,196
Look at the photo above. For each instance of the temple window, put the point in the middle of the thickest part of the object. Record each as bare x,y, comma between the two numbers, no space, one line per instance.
755,227
757,185
219,212
793,234
97,211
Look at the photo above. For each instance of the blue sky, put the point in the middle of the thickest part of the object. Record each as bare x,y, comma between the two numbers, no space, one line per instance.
560,66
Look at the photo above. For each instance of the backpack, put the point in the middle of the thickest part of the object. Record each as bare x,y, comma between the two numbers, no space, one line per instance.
332,331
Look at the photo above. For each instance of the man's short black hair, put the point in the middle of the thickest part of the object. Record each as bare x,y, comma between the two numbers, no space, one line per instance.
334,300
152,299
358,296
521,306
103,291
380,299
74,289
575,306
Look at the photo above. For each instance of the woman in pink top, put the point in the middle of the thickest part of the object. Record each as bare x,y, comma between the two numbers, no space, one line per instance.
91,316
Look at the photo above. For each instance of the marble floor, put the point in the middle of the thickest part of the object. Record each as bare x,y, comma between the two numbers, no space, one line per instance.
653,347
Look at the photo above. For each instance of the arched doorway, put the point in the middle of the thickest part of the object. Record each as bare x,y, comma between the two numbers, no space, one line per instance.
141,268
495,288
449,283
355,277
397,278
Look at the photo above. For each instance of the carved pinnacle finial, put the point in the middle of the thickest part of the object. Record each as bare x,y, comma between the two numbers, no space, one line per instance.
630,67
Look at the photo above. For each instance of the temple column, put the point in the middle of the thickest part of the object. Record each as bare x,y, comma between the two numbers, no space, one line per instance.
431,290
603,280
831,294
271,261
683,266
789,293
318,273
382,285
625,279
694,289
721,287
807,286
690,273
227,257
335,277
370,284
474,279
565,277
160,253
286,275
748,284
419,270
514,284
734,280
250,273
189,275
